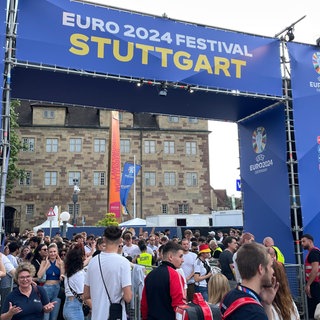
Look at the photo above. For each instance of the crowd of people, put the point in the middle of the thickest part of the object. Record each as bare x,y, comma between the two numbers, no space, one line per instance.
90,277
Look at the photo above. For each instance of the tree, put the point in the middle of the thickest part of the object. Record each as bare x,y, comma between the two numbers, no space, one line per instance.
16,145
108,220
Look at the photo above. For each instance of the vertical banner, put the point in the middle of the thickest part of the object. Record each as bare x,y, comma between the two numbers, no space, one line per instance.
114,165
305,82
130,171
3,25
265,183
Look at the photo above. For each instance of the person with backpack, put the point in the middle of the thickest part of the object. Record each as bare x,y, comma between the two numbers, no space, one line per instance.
252,300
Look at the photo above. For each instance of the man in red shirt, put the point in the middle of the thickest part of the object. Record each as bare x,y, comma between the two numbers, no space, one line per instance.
164,290
312,270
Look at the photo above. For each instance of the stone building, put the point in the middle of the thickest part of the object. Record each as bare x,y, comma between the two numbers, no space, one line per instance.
65,143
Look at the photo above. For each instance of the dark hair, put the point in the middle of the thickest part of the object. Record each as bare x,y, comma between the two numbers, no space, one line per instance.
35,239
142,245
171,246
308,236
13,246
112,233
228,240
36,253
74,260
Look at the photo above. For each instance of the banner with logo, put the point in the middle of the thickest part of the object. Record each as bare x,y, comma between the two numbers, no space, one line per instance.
129,173
83,36
264,179
305,81
114,165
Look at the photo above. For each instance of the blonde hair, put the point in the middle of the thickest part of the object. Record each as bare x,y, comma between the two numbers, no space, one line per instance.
218,287
24,266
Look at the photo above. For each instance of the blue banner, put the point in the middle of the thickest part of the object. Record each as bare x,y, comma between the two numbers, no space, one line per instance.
305,81
264,179
2,51
82,36
130,171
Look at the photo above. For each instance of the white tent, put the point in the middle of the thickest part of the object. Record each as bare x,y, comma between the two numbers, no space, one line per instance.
134,222
54,224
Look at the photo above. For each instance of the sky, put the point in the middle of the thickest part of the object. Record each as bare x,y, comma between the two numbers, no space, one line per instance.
264,18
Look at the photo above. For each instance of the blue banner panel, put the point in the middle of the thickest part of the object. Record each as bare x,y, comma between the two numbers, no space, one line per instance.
109,41
305,81
130,171
265,183
2,51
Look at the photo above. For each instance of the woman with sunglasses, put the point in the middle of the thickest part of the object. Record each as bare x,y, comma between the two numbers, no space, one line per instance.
26,301
40,253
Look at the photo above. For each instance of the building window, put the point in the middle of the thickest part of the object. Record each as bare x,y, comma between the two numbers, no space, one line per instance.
192,179
100,145
192,120
120,116
183,208
124,145
74,175
164,208
48,114
51,145
191,148
150,178
75,145
169,147
29,210
173,119
50,178
28,144
169,179
150,146
26,180
71,209
99,178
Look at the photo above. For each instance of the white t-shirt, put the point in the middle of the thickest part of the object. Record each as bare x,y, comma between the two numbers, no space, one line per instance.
130,251
76,282
201,270
188,264
116,275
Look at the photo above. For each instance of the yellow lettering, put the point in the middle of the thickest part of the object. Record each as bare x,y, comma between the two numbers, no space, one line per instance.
203,64
239,64
79,44
145,51
186,63
164,55
222,64
116,51
101,42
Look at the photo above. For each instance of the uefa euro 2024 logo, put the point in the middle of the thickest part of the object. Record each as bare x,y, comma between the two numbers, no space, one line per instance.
316,61
259,139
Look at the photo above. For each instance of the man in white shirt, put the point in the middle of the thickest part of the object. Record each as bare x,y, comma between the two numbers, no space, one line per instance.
187,266
108,272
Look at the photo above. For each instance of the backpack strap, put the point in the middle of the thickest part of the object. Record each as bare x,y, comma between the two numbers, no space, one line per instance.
237,304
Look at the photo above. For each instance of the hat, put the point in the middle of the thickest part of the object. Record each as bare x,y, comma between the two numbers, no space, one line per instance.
212,233
204,248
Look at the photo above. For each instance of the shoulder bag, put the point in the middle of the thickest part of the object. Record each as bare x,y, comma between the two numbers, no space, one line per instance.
85,308
115,310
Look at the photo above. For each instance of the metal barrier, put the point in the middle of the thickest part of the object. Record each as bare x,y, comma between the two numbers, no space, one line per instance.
296,279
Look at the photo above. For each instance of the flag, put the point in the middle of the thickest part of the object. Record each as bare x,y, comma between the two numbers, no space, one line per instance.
130,171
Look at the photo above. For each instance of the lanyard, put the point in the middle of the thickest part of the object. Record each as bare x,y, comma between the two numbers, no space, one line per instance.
247,290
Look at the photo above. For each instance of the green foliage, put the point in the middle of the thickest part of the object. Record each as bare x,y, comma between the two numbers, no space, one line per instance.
108,220
16,146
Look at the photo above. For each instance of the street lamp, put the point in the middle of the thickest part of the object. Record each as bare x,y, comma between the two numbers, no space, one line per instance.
64,217
76,191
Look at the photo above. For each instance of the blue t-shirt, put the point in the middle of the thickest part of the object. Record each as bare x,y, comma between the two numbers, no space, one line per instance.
31,306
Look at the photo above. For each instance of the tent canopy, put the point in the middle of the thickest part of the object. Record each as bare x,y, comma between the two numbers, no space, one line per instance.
54,224
133,223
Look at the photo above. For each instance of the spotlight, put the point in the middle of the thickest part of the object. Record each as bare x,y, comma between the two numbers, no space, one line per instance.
140,83
163,90
289,36
189,89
